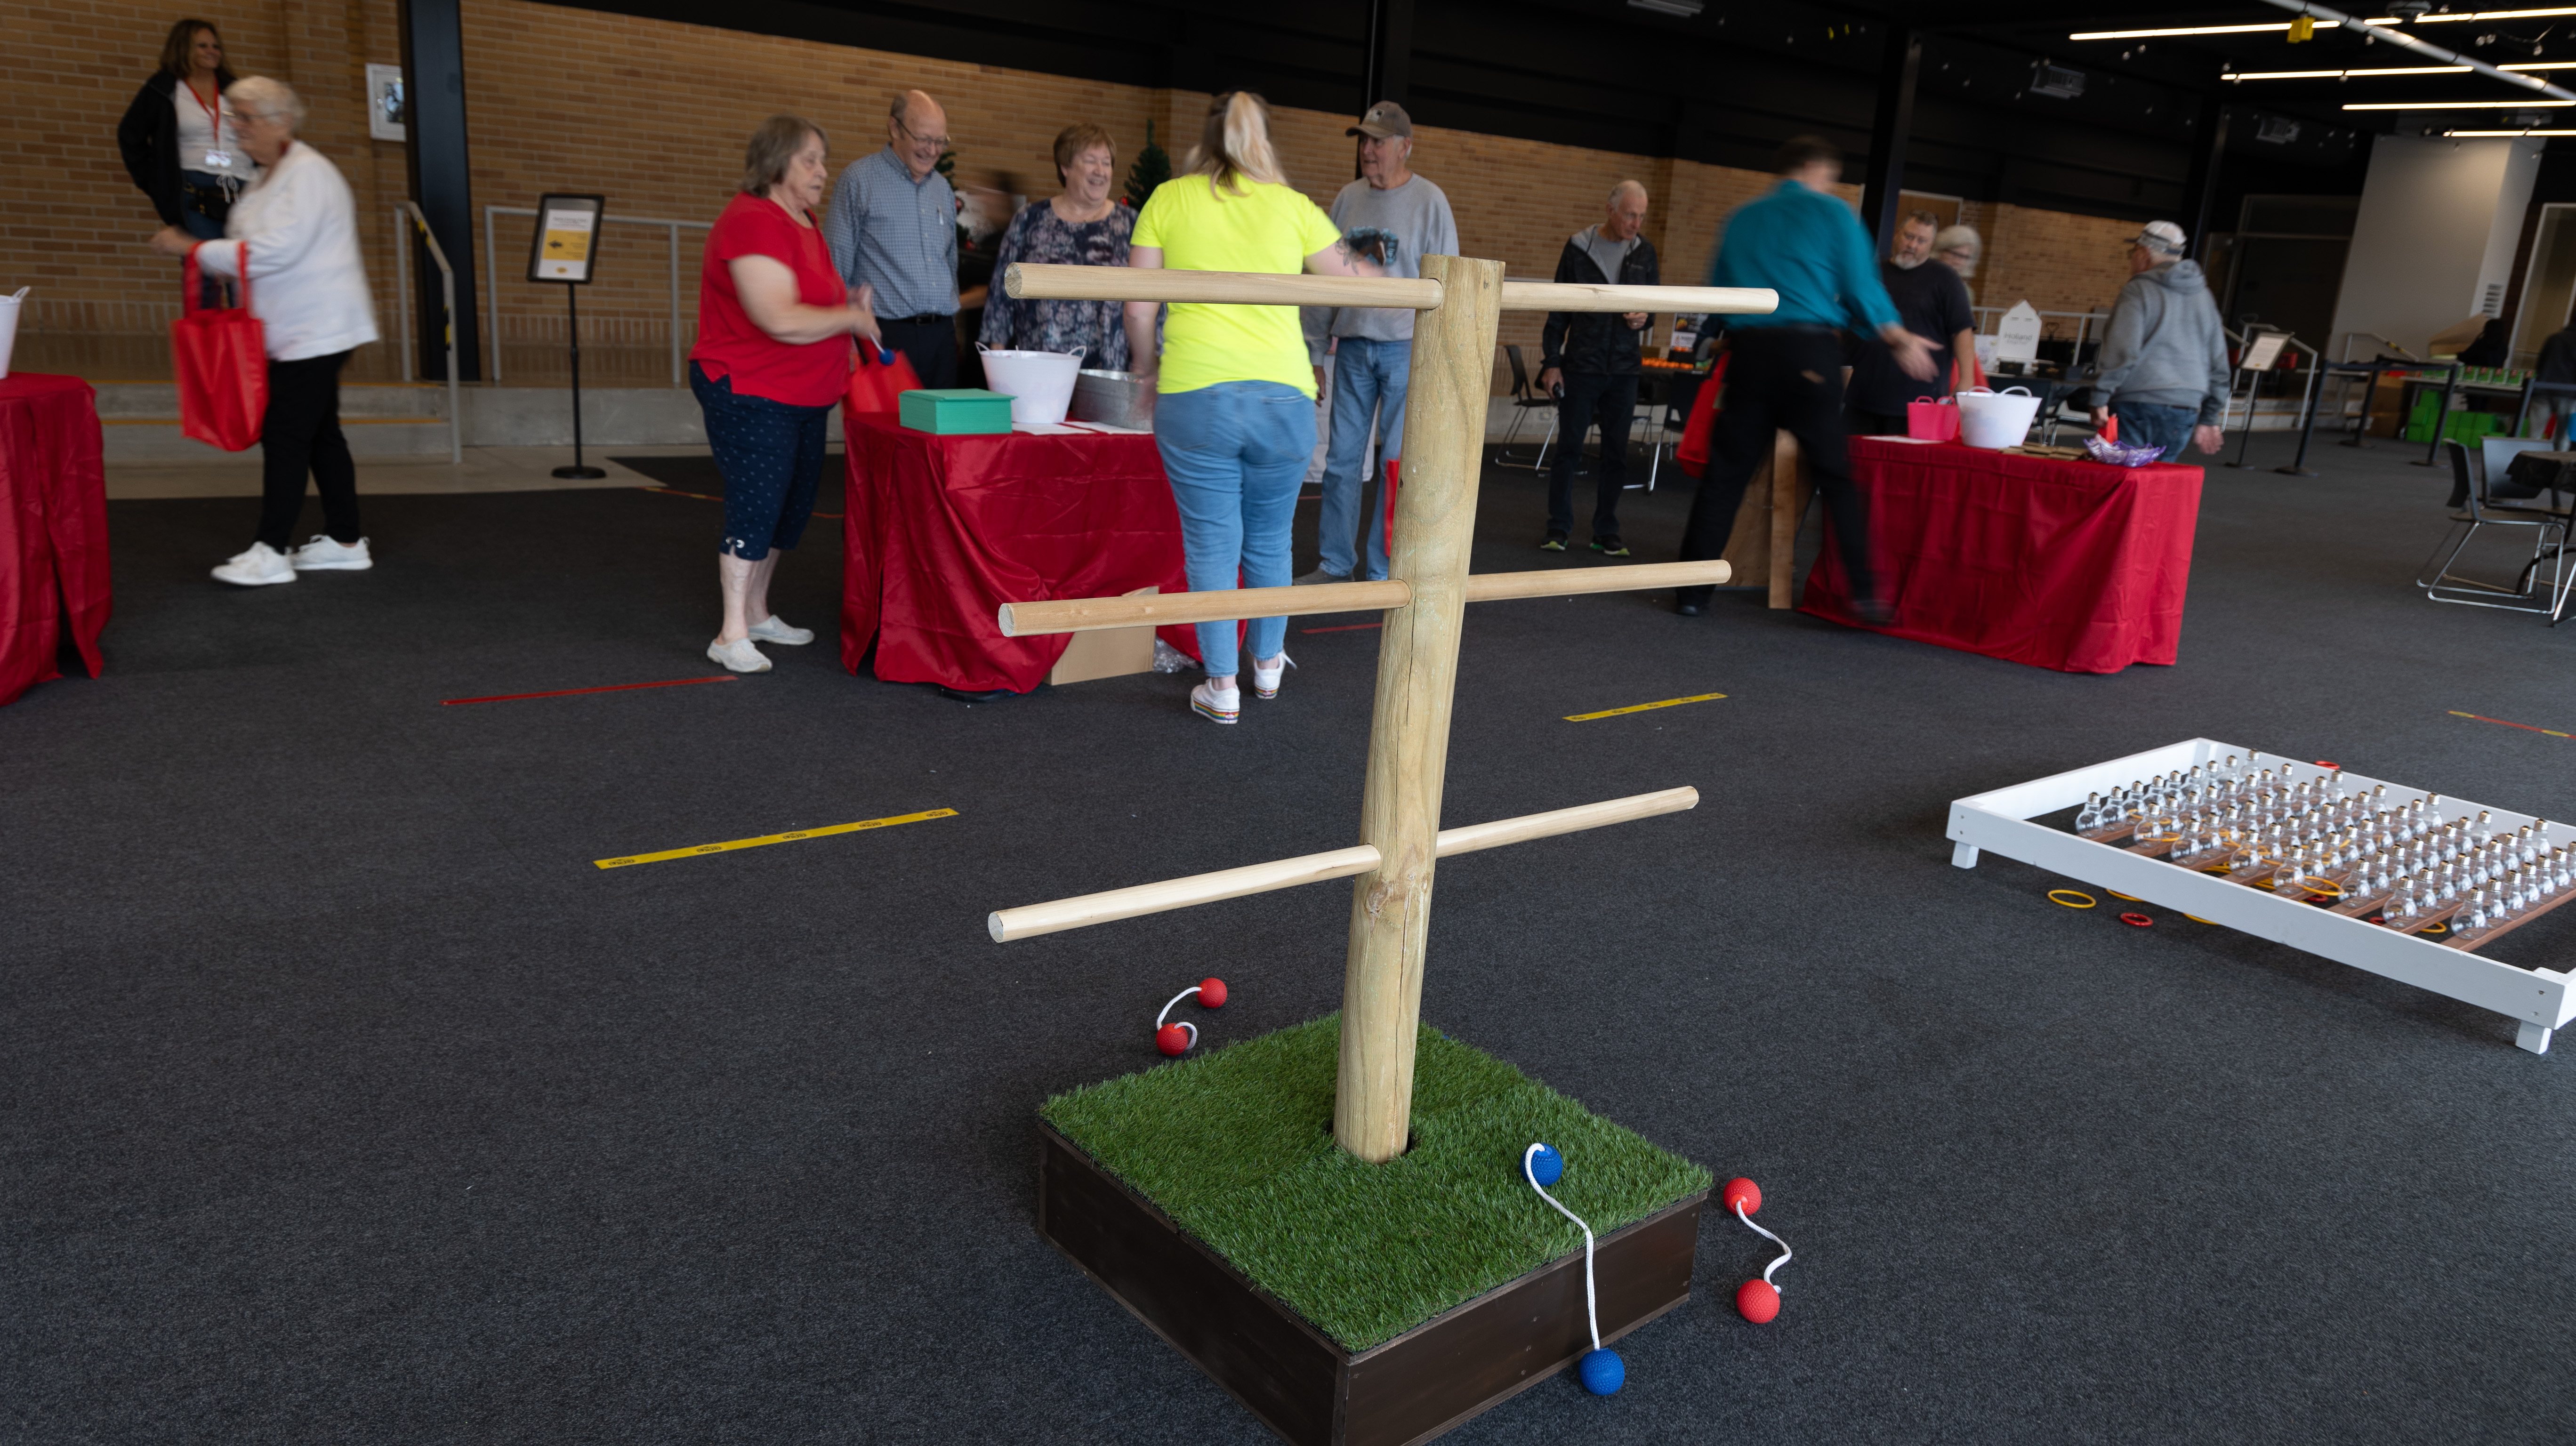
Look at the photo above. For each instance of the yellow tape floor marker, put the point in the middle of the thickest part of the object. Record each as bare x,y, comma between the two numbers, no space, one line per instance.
775,838
1642,707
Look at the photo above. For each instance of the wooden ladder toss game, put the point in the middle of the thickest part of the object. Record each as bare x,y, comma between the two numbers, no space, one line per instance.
1460,303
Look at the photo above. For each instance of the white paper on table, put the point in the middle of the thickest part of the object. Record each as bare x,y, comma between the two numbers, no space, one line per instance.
1105,430
1909,441
1046,429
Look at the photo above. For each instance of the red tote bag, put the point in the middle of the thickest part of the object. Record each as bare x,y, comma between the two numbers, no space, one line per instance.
1927,420
1693,452
878,381
220,357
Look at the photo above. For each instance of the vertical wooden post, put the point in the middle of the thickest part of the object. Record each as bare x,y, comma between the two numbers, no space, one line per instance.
1788,507
1417,672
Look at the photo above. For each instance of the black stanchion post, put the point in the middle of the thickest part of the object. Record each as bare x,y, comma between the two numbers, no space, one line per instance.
2441,419
572,320
2308,428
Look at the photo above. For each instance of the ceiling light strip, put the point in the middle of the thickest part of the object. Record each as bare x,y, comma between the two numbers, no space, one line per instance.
2348,74
2456,104
2408,42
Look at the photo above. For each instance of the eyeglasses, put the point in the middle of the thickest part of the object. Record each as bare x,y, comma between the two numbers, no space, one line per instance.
939,141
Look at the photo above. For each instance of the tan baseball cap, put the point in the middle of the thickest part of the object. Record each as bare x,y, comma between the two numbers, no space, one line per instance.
1384,119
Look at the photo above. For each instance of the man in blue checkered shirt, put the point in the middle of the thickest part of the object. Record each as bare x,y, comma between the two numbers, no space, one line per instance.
893,226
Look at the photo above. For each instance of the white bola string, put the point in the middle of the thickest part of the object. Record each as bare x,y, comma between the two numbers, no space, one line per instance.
1185,1024
1592,1316
1785,1251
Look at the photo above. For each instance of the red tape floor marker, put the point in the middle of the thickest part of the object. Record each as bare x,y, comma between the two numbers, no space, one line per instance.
2525,727
610,688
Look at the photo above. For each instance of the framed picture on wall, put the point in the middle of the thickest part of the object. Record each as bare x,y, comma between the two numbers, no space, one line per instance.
386,118
565,247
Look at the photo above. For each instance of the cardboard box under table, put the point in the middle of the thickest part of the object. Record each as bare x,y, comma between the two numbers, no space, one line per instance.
940,531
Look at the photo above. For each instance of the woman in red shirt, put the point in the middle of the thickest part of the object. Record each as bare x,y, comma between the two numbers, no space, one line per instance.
773,357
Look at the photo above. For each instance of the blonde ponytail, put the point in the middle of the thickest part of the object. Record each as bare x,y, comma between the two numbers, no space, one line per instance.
1234,145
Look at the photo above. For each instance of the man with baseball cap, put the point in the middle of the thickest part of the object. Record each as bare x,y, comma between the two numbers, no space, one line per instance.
1398,218
2164,357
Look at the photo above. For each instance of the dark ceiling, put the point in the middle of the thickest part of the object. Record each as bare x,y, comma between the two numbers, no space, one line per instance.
1729,83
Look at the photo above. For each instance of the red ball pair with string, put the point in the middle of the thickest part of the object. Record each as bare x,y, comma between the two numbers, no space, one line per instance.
1179,1038
1757,1300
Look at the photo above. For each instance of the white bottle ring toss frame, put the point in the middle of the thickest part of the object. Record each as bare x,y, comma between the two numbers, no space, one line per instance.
2539,1000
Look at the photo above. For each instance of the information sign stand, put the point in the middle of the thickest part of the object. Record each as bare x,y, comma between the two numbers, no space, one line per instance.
565,250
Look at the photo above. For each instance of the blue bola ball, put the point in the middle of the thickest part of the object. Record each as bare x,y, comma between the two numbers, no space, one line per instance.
1603,1372
1547,1166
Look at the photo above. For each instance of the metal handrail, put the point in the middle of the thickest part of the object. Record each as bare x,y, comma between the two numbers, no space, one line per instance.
410,210
492,293
2083,323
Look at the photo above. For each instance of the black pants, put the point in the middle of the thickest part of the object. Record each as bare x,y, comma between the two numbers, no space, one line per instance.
301,434
1591,396
1780,377
1877,424
931,347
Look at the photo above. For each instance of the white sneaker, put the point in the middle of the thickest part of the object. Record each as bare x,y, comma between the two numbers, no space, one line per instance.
1214,706
1265,681
739,655
775,629
258,567
324,555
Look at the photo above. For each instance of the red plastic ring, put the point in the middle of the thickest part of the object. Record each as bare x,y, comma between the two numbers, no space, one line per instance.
2138,920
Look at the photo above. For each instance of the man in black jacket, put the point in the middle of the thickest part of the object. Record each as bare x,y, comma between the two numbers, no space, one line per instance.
1589,364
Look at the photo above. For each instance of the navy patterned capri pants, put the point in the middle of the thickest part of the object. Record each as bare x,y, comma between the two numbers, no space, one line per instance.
771,455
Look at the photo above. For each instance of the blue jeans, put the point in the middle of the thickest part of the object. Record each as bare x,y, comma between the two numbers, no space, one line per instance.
771,455
2167,427
1235,453
1368,378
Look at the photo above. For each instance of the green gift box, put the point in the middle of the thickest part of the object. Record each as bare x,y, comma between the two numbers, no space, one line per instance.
955,411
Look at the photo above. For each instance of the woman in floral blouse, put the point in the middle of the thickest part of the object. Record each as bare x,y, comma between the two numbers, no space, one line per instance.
1081,227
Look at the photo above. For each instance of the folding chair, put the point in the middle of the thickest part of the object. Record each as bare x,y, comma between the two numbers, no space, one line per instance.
2471,509
1523,400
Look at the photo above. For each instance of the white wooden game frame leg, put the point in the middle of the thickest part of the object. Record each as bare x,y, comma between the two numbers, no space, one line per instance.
2538,1000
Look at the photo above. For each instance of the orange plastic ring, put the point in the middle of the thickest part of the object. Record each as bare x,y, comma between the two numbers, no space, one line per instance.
2115,893
2195,918
2089,900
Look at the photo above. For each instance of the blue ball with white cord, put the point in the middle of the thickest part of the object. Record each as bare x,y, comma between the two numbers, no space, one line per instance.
1545,1165
1603,1372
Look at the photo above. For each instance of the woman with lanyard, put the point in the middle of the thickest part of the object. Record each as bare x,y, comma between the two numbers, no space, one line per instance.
178,144
1234,410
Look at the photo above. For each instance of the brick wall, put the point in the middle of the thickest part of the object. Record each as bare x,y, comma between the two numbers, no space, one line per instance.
653,114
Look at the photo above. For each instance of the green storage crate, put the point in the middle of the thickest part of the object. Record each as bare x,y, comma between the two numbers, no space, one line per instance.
2466,425
956,411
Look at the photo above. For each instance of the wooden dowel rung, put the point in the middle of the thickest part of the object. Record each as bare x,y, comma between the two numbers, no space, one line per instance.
1088,614
1576,296
1031,920
1472,837
1033,281
1574,581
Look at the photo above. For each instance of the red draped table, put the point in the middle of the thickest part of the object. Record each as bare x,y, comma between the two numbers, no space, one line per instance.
53,528
941,531
2076,566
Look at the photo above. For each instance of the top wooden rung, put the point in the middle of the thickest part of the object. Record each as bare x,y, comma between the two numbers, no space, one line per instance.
1029,282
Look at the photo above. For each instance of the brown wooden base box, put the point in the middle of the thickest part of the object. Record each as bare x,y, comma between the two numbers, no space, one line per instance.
1311,1390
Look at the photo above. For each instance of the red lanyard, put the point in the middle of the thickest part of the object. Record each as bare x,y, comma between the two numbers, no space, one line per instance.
214,116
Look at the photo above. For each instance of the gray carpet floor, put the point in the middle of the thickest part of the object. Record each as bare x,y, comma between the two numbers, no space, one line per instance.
347,1101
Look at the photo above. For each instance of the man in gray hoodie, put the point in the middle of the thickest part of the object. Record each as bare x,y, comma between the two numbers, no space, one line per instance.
2164,359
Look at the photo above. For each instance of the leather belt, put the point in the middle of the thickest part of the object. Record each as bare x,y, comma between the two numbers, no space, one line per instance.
927,318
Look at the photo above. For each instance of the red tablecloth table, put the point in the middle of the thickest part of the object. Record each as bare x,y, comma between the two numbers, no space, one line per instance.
53,527
941,531
2076,566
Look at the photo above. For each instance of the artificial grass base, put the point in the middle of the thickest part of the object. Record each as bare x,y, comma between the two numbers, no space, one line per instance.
1236,1146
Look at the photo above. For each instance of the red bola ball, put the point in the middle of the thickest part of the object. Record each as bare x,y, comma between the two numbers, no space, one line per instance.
1212,993
1746,1191
1172,1039
1757,1301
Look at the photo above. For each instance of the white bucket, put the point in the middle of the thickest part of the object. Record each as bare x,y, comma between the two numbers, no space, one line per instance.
1995,420
8,330
1039,383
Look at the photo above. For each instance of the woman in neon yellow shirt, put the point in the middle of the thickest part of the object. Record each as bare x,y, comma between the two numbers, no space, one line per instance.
1234,411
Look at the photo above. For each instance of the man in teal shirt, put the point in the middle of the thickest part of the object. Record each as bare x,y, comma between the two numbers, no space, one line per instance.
1786,369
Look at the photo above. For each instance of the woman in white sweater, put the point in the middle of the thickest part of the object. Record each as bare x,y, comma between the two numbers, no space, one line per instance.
299,227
